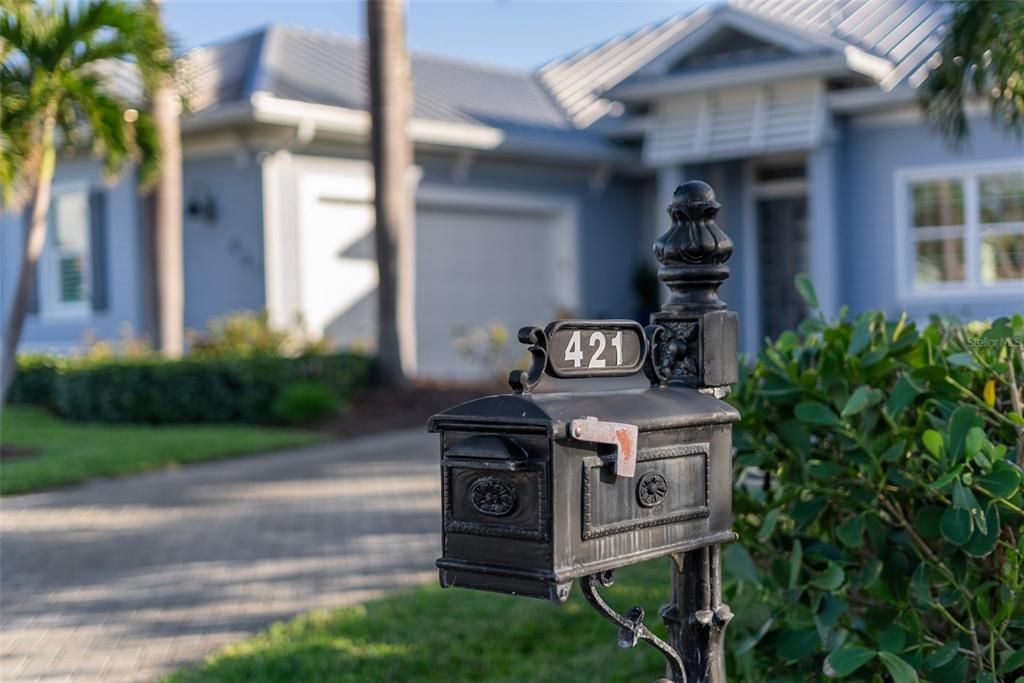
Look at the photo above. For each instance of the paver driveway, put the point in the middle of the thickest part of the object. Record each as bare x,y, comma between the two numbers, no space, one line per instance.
123,580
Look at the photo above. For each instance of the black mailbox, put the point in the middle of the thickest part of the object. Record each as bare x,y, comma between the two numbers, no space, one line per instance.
530,503
540,490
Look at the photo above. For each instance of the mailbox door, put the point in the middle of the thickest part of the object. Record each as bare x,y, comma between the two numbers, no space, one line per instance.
673,503
497,512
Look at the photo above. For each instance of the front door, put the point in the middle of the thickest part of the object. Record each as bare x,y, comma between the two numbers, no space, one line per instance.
782,226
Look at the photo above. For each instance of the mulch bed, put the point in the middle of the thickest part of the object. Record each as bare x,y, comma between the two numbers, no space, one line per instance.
9,452
380,409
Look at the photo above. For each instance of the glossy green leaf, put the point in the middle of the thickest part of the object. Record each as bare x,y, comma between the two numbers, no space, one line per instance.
1014,661
898,668
861,399
901,396
932,440
926,521
861,335
1001,483
960,422
816,413
796,559
893,639
844,661
768,524
942,656
737,563
795,645
975,439
831,578
851,532
963,497
806,289
963,360
956,526
894,452
985,538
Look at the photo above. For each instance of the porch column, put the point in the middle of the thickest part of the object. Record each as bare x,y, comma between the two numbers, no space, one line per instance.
823,223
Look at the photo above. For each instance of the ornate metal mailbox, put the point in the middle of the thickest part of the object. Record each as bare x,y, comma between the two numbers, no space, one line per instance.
541,489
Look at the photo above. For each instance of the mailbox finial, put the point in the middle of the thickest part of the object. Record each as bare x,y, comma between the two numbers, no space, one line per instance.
693,337
694,250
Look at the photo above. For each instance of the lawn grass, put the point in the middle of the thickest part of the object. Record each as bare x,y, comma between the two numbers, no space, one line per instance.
72,452
452,635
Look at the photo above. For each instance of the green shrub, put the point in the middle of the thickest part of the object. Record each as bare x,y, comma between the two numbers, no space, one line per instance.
35,382
304,402
246,334
881,523
156,391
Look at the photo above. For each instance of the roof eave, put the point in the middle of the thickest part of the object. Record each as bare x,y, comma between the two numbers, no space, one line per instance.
310,119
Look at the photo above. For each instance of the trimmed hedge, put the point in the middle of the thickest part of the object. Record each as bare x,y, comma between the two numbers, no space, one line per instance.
157,391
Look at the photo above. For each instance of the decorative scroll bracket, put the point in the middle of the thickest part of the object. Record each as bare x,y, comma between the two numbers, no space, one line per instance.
523,381
631,627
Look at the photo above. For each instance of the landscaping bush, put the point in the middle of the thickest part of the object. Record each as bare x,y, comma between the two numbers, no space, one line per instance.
156,391
304,402
248,333
880,515
35,382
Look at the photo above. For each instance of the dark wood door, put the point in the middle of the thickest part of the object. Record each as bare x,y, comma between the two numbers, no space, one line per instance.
782,226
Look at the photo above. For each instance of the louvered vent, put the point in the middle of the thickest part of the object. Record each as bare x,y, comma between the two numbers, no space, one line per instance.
734,123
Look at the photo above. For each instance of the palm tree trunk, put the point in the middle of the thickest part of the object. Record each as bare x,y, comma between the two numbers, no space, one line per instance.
391,152
32,248
169,282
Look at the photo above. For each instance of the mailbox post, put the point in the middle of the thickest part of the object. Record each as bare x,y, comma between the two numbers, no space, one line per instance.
540,490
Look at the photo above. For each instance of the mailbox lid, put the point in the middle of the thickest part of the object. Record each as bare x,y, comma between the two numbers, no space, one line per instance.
649,409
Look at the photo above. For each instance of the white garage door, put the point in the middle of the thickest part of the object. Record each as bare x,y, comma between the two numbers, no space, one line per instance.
338,270
478,266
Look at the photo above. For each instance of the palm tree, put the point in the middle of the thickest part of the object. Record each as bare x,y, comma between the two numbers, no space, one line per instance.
55,99
167,200
391,152
982,58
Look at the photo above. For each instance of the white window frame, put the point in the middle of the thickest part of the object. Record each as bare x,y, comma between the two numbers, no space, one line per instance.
967,173
50,305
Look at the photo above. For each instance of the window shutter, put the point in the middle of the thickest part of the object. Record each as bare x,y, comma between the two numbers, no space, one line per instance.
98,276
33,292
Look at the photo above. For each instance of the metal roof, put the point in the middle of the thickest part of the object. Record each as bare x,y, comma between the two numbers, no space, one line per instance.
323,68
905,33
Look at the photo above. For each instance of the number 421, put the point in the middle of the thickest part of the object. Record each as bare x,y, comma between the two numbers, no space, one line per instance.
574,349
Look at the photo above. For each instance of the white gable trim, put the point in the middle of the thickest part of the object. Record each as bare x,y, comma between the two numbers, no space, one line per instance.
728,17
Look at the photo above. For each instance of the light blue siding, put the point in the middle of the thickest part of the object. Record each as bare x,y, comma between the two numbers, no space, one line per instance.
125,286
871,156
224,264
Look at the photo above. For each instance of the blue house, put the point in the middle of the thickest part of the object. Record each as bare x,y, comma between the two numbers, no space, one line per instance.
539,194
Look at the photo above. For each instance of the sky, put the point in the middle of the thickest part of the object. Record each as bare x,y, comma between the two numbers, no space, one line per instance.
519,34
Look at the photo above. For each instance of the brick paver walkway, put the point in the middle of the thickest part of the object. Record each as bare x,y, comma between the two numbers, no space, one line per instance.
123,580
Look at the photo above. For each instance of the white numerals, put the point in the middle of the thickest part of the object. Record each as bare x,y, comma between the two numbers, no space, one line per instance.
597,339
573,351
597,342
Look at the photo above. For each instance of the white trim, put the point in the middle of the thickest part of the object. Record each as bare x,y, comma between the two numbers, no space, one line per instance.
565,210
787,38
822,227
779,189
269,109
967,172
51,308
273,297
